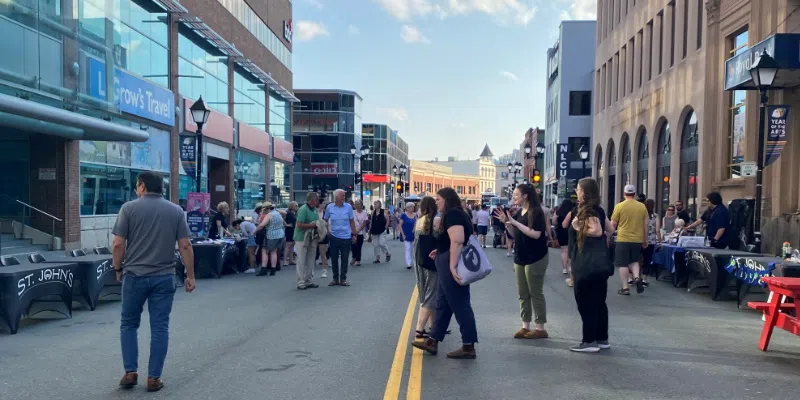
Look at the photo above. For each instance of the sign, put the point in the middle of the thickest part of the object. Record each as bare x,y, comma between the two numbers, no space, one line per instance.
375,178
47,174
562,163
48,275
777,116
132,94
287,30
198,206
748,169
367,193
749,271
188,154
152,155
783,47
323,169
219,188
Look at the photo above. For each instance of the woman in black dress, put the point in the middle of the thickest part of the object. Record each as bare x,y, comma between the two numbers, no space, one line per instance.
561,222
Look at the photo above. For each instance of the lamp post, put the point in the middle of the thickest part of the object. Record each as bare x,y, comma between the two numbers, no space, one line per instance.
353,151
364,152
200,115
763,71
583,152
527,150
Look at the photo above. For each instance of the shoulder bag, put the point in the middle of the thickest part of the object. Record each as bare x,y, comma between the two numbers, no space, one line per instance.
473,265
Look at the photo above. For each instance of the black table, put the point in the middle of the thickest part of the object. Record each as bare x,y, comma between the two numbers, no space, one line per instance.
21,284
707,269
95,272
207,260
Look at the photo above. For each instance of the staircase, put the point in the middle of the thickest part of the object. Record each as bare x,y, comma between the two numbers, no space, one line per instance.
11,246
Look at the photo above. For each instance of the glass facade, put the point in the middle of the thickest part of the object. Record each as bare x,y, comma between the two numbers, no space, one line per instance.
689,143
108,171
279,120
249,101
738,110
663,167
642,157
281,179
260,30
203,71
252,167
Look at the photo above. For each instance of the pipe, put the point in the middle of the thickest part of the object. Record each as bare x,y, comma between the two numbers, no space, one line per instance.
94,128
32,125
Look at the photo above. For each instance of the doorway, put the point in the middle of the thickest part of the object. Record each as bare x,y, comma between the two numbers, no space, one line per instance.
219,180
15,177
612,185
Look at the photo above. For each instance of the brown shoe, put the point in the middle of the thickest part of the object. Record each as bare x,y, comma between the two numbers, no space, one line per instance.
154,384
536,334
521,333
429,345
466,352
129,380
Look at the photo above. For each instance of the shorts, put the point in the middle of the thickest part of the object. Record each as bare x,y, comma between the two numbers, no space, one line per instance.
326,240
251,242
483,230
626,253
274,244
475,228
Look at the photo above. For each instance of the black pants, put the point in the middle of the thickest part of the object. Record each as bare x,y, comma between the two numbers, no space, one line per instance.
452,299
356,248
647,256
590,294
340,252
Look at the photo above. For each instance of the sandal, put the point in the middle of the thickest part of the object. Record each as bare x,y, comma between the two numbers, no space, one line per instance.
624,292
388,257
422,334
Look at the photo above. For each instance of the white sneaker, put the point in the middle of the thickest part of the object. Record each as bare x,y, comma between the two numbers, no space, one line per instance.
250,271
324,273
564,271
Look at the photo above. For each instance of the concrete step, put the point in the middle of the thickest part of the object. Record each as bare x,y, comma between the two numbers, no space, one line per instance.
20,247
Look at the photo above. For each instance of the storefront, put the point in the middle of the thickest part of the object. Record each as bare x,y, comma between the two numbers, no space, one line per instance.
250,167
282,169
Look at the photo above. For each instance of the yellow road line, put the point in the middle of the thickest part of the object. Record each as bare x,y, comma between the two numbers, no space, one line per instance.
396,373
414,391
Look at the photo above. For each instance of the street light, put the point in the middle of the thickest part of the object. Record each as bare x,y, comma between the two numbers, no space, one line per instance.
365,149
763,71
583,152
527,150
540,148
200,115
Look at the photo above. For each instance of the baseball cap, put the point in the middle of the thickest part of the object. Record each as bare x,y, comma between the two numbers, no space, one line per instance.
630,189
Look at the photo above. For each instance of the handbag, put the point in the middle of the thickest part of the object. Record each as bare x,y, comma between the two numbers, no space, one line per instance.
473,265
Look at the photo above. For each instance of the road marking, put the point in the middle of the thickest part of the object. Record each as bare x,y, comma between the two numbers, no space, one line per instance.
396,373
414,391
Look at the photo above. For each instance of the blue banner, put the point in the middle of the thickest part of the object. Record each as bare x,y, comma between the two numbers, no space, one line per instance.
777,117
749,271
133,95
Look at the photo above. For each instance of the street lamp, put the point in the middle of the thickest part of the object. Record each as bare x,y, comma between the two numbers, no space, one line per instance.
540,148
200,115
353,151
527,150
365,149
583,152
763,71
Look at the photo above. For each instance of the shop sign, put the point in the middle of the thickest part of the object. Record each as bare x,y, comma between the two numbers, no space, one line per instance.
132,94
47,174
188,154
376,178
323,169
198,206
287,30
562,164
776,135
748,169
782,47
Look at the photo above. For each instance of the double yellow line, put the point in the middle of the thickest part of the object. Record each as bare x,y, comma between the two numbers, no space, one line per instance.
414,389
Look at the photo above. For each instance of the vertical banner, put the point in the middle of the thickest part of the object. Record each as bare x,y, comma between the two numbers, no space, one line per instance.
777,116
198,206
188,153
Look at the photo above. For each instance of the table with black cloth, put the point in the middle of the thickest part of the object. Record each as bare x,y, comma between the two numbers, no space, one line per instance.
207,259
673,259
237,262
21,285
707,269
95,272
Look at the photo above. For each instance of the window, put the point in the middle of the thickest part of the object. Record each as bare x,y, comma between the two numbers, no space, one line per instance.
580,103
259,29
650,50
672,33
700,13
623,77
737,124
631,74
660,41
685,27
615,77
640,37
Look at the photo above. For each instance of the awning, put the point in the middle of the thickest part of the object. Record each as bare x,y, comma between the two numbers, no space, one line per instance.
782,47
72,125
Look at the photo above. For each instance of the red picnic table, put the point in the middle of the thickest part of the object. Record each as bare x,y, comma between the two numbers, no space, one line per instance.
775,311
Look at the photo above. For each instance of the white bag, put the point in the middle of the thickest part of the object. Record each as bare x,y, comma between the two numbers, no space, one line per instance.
473,265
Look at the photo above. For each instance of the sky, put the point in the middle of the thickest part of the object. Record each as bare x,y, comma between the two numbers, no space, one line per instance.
449,75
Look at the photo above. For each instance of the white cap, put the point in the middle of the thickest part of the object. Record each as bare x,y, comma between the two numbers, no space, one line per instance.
630,189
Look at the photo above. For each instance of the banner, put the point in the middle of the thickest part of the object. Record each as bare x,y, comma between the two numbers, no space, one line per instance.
188,154
198,207
323,169
777,116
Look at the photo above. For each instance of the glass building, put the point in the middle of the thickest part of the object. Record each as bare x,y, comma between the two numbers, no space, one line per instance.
388,150
326,126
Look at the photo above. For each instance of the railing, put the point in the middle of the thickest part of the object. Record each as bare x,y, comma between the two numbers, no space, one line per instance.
53,220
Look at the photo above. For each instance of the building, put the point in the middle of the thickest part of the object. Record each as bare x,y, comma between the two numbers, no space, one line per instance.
74,140
569,107
534,160
426,178
650,70
734,34
387,150
326,127
484,167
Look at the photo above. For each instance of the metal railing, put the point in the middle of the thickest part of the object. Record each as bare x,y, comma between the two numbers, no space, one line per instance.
53,220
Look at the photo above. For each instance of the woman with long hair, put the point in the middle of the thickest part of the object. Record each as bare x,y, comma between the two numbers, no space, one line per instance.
453,297
529,228
561,220
361,218
379,220
424,245
588,250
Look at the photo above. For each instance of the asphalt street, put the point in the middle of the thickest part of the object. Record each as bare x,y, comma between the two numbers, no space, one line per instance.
247,337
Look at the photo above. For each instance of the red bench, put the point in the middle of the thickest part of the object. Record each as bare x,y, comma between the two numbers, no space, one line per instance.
773,315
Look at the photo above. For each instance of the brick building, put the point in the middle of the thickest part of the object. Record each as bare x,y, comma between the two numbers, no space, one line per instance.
426,178
73,140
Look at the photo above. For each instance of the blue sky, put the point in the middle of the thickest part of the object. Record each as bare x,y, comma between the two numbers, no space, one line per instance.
449,75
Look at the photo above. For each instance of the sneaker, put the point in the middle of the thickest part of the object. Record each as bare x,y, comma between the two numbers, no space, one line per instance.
569,282
154,384
630,281
324,273
603,344
645,283
429,345
466,352
537,334
312,286
129,380
585,348
302,287
250,271
564,271
639,285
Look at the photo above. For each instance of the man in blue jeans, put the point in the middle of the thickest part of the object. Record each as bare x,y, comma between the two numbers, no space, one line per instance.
341,218
144,260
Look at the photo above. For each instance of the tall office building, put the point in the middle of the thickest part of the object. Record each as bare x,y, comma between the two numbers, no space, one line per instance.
387,150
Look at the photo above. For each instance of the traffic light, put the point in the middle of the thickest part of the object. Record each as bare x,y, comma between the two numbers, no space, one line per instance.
537,177
399,187
358,179
554,189
262,191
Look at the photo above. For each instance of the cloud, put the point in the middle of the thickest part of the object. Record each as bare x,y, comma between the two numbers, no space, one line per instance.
315,3
580,10
411,34
504,11
509,75
308,30
459,125
353,30
395,113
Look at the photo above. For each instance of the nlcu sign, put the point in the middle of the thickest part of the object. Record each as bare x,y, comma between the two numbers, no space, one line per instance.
287,30
563,161
132,95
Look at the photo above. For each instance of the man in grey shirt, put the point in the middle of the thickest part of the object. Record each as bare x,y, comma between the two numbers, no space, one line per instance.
144,260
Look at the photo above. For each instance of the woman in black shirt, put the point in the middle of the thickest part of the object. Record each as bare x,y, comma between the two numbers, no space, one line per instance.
530,259
219,224
453,298
588,250
379,221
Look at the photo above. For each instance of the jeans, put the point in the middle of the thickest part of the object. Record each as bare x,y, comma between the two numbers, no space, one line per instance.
590,294
409,247
356,247
159,292
530,282
340,252
306,259
452,299
379,245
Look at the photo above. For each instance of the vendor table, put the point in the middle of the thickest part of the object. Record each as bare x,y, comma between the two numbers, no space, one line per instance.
672,258
95,272
707,269
207,259
776,312
21,285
